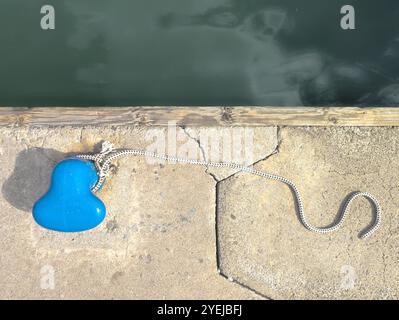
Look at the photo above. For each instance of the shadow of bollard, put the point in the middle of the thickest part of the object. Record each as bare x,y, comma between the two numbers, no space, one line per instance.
31,177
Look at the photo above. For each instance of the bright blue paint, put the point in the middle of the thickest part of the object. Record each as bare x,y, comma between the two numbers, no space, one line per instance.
69,205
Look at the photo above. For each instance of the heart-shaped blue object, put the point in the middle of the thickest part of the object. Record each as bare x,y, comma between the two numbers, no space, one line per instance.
69,205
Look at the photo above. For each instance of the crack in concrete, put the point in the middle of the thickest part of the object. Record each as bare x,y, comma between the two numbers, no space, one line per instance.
275,151
81,135
218,181
217,212
201,148
235,281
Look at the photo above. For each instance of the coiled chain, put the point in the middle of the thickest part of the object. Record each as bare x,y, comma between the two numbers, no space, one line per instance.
108,154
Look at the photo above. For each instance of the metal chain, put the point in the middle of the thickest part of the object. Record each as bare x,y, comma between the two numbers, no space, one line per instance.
108,154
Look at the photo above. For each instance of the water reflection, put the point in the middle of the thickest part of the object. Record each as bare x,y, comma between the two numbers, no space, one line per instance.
306,58
208,52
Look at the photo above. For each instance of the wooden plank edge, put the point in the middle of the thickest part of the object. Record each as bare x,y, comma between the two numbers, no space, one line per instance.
199,116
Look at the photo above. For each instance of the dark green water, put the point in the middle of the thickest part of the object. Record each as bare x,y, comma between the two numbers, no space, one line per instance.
199,52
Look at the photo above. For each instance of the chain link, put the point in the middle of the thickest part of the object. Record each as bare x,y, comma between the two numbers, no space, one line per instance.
108,154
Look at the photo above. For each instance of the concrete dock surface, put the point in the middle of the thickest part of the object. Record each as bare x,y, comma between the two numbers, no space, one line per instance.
188,232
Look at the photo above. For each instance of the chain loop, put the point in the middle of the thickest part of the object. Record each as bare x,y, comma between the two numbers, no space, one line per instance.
108,154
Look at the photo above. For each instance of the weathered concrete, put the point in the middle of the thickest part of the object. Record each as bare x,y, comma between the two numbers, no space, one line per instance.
244,146
264,246
159,239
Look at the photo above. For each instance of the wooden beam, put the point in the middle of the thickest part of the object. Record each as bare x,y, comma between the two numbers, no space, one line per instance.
199,116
